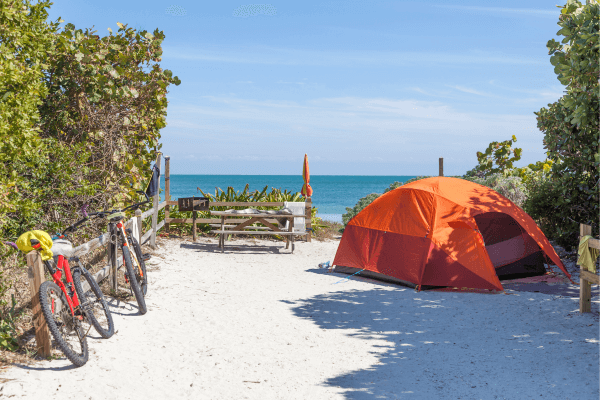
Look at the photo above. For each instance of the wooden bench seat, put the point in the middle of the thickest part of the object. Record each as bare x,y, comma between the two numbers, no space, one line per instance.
225,231
263,228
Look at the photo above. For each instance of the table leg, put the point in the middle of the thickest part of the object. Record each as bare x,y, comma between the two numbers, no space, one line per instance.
290,237
221,236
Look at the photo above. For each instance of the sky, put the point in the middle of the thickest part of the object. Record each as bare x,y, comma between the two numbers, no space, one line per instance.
361,87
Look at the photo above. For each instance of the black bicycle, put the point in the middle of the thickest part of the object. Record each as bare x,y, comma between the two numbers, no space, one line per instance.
134,261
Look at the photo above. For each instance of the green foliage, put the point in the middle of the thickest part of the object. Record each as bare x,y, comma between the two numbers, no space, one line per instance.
511,187
105,108
538,170
541,205
26,40
8,334
570,125
497,158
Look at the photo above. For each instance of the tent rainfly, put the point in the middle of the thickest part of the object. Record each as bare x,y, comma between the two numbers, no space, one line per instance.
444,232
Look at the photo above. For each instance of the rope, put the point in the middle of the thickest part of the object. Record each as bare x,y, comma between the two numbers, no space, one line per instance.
348,277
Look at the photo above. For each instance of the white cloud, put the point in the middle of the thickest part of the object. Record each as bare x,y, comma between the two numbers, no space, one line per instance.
504,10
288,56
469,90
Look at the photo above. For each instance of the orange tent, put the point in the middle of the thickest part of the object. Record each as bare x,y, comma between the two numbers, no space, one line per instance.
444,232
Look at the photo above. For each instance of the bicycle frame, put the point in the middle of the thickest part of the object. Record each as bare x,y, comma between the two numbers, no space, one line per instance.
120,227
63,266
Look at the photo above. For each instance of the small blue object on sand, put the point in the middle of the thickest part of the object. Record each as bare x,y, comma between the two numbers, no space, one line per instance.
324,265
348,277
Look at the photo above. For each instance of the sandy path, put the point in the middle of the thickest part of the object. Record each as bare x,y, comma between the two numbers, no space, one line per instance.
257,322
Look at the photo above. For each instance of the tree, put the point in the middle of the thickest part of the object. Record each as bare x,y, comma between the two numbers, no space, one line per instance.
570,125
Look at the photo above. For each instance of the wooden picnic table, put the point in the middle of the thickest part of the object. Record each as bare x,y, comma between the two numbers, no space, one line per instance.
247,219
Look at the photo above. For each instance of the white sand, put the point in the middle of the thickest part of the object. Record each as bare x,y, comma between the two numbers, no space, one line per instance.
257,322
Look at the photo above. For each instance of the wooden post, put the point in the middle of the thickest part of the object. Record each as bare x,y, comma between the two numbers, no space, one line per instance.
441,166
194,215
308,221
167,191
155,205
138,216
585,287
36,277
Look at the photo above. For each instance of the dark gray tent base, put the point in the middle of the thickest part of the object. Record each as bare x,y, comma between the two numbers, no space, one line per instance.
381,277
532,265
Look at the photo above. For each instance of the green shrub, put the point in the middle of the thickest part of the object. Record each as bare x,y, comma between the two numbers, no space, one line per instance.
511,187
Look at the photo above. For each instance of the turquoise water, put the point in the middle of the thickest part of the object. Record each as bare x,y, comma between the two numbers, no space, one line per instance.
331,193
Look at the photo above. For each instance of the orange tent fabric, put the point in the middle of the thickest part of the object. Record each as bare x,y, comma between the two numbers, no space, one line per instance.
443,232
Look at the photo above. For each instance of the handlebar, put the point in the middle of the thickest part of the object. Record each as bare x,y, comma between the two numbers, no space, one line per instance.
102,214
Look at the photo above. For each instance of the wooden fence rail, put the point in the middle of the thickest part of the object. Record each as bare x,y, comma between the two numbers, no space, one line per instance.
587,278
37,275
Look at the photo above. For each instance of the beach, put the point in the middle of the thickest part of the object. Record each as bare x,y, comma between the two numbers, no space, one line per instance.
258,322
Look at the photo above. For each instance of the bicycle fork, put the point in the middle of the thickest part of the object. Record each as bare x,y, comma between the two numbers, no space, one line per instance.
136,263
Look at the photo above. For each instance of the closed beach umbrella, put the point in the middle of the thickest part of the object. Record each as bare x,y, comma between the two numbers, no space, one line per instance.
306,189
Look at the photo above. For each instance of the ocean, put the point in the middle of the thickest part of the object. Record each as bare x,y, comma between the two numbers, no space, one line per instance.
331,193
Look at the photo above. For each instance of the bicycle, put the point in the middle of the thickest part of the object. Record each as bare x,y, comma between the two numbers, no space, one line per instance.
66,301
134,262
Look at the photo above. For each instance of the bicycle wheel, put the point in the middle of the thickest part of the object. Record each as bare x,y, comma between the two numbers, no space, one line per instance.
143,281
65,328
135,286
93,303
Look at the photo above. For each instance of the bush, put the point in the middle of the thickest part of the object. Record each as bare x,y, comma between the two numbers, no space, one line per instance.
541,203
511,187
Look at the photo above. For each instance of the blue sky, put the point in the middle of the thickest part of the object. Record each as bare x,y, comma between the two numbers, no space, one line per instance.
362,87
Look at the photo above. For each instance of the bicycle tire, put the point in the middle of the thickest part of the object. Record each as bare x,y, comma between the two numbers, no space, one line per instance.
93,303
61,323
143,281
135,286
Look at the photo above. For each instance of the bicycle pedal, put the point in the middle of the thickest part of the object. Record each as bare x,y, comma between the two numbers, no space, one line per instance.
146,257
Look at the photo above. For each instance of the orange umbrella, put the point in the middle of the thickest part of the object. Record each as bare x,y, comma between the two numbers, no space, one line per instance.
306,189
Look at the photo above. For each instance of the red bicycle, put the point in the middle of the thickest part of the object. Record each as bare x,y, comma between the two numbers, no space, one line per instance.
72,298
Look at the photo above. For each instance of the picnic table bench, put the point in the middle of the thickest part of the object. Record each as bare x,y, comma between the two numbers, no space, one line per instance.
251,216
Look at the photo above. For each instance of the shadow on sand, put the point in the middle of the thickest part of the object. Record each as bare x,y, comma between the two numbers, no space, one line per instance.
445,345
237,248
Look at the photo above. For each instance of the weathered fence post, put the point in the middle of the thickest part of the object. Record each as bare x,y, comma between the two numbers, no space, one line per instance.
155,205
36,277
441,166
585,287
138,216
308,218
167,191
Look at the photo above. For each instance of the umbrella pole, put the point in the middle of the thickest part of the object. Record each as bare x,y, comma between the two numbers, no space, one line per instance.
308,216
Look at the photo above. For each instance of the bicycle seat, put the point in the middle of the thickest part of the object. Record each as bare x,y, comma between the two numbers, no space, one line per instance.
62,247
